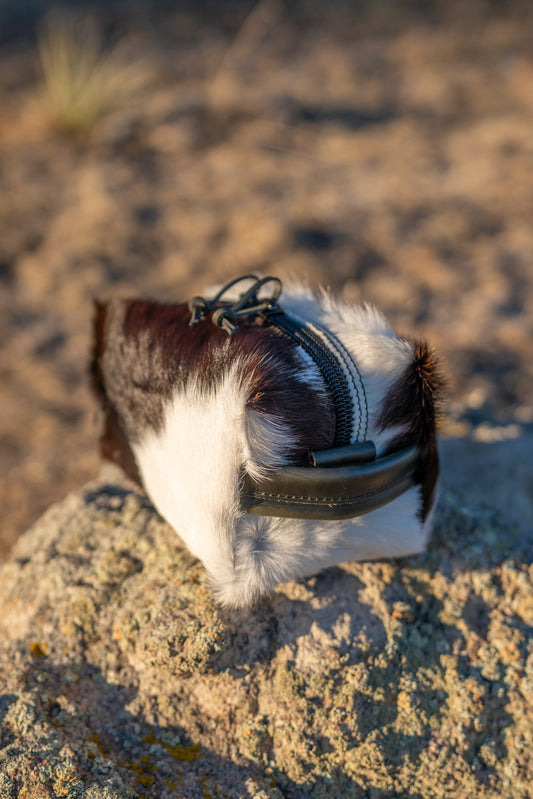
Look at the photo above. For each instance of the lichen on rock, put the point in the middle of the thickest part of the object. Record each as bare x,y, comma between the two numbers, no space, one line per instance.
121,678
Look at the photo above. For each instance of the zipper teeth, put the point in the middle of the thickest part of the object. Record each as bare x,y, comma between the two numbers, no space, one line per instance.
331,369
352,375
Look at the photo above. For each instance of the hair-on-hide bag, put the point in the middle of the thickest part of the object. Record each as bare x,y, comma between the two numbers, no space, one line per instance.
277,438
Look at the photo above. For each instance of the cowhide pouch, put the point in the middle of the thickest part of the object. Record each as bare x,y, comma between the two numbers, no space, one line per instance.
217,406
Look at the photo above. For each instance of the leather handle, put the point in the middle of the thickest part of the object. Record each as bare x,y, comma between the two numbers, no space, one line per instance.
330,492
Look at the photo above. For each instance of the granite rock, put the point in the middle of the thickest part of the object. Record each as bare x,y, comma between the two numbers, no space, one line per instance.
121,678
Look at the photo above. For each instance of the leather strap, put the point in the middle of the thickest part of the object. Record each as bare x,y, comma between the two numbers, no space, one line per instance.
338,492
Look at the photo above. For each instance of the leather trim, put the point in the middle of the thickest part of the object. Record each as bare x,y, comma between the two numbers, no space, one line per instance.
350,455
330,492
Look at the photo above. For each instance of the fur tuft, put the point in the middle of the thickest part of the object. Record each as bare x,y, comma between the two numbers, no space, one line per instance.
412,407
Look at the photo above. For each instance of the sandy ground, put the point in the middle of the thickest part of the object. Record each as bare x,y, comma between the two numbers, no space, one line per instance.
387,154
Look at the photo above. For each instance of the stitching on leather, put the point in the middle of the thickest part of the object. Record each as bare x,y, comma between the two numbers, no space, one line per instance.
329,500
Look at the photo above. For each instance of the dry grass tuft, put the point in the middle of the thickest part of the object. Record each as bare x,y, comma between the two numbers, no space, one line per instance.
84,80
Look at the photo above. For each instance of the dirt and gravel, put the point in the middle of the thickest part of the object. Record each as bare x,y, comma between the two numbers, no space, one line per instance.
384,151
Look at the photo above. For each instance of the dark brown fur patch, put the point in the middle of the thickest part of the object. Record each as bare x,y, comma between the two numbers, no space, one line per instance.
98,345
144,350
413,403
114,445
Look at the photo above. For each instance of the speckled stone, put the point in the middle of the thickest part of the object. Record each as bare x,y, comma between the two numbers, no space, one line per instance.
121,678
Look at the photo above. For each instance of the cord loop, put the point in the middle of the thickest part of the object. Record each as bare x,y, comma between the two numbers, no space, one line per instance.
226,313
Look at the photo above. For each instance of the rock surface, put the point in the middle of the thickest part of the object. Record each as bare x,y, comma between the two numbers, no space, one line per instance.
497,473
120,677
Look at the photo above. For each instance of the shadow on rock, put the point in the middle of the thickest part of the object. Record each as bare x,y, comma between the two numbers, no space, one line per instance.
82,733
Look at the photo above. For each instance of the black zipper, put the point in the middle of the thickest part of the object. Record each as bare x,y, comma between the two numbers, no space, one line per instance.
329,367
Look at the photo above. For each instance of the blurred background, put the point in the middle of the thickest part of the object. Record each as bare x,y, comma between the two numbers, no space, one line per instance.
384,149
